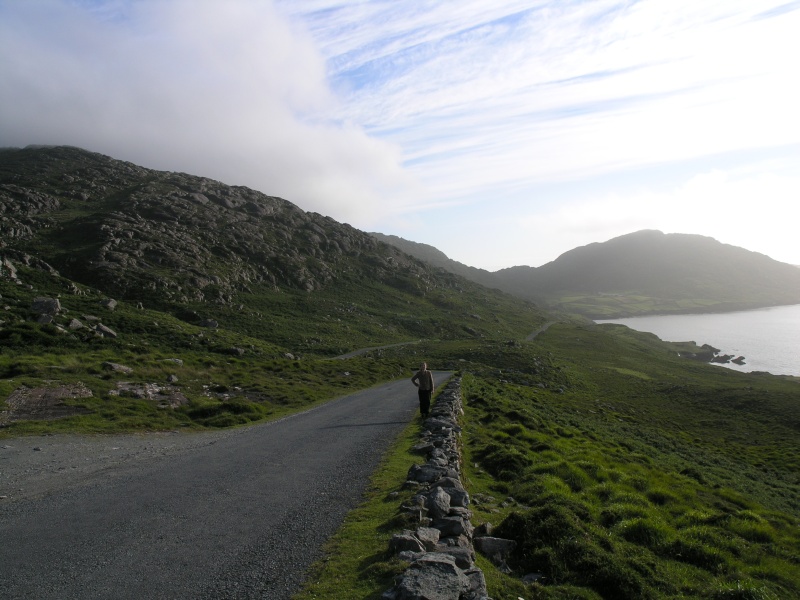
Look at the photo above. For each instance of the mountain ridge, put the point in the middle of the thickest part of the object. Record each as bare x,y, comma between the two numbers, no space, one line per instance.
644,272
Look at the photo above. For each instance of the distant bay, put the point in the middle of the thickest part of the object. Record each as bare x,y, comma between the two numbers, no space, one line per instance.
768,338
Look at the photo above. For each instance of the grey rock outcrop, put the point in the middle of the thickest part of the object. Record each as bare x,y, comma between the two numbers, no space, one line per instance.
46,306
7,269
117,368
104,331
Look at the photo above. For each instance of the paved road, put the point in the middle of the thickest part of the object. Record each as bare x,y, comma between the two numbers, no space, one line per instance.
242,517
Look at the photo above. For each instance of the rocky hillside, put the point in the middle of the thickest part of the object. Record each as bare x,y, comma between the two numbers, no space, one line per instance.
144,234
200,250
437,258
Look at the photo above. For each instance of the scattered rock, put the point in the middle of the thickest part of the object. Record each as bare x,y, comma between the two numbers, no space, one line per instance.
117,368
46,306
105,331
43,403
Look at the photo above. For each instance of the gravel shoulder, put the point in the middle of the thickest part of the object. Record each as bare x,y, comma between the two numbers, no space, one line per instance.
35,465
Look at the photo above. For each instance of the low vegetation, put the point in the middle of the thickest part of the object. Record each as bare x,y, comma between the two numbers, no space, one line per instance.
622,470
642,476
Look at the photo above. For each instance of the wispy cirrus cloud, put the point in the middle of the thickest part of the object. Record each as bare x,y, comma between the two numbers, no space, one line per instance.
574,88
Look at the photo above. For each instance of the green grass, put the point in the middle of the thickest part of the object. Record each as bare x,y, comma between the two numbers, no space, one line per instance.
358,564
630,304
642,476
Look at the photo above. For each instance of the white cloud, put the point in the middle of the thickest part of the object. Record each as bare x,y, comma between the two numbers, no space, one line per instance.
226,90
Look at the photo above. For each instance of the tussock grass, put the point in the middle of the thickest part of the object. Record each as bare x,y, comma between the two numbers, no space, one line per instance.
649,486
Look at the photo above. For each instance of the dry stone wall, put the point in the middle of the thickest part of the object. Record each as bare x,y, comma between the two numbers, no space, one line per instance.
441,549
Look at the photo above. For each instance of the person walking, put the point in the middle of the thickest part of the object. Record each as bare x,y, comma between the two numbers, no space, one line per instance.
423,379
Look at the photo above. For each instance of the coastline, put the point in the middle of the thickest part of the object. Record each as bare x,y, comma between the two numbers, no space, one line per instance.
765,337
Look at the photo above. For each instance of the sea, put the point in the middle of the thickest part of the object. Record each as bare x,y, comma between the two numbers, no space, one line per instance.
768,338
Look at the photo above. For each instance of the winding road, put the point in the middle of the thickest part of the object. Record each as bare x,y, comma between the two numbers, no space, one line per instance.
239,515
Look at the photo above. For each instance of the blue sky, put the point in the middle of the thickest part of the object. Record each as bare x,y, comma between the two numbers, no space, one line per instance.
502,133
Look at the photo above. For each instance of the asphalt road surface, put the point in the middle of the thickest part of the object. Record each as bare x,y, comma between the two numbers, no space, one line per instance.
238,516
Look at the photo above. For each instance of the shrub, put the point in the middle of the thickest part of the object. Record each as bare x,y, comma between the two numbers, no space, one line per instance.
661,497
760,533
531,490
743,591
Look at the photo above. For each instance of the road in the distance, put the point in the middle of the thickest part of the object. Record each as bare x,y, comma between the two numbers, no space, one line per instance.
243,517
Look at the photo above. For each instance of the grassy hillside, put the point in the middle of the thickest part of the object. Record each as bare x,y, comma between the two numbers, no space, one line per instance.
642,475
622,471
230,304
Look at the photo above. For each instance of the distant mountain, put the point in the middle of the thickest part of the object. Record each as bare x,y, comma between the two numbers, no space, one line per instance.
645,272
436,257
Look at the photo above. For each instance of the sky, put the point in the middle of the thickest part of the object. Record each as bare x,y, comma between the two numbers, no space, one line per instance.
503,133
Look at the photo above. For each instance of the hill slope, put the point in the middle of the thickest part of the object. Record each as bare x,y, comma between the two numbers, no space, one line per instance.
201,250
649,271
640,273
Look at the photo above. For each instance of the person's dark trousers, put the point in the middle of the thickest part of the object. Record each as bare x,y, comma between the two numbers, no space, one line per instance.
424,402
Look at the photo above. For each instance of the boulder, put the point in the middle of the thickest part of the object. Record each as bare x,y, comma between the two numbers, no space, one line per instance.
464,557
117,368
433,577
439,503
429,536
477,585
453,526
495,549
108,303
425,473
405,542
7,269
105,331
46,306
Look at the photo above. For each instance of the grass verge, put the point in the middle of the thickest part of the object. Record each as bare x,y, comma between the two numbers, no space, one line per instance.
357,563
